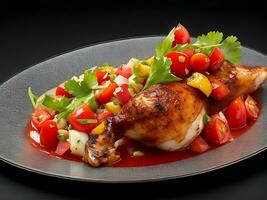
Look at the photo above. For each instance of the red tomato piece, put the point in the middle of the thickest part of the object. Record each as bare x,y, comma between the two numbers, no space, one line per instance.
199,145
62,147
60,91
180,63
104,115
181,35
102,76
189,52
82,112
252,108
219,90
199,62
48,134
123,94
106,94
236,114
217,131
124,71
216,59
39,116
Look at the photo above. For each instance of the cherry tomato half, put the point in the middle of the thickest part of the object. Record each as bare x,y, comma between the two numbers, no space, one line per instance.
48,134
82,112
236,114
217,130
180,63
199,62
123,94
124,71
199,145
252,108
189,52
102,76
181,35
219,90
60,91
39,116
216,59
106,94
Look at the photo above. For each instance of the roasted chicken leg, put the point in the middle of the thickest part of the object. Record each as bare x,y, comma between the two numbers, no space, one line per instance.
169,116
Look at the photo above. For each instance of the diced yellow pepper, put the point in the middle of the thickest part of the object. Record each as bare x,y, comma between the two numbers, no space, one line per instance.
108,69
143,70
112,107
99,129
201,82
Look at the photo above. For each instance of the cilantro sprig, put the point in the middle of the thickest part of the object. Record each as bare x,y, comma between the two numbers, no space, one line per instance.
81,88
205,43
160,72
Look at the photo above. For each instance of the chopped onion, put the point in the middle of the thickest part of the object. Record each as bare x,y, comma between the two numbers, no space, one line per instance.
35,136
120,80
77,141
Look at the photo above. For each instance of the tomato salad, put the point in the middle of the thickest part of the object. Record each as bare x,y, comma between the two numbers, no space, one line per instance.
65,116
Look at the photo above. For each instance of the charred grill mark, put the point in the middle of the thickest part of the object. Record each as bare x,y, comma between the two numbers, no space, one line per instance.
91,140
159,107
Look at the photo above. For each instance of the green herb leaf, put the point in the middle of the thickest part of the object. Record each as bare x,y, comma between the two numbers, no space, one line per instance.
77,101
87,121
82,88
231,49
76,88
160,72
32,97
57,104
208,42
206,119
166,44
90,78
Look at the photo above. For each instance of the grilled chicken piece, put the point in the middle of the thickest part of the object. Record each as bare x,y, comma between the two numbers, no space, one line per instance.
169,116
240,80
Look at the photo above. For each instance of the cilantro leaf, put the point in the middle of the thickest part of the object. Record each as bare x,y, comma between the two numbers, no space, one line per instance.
207,42
76,88
231,49
160,72
57,104
90,100
90,79
166,44
211,38
32,97
82,88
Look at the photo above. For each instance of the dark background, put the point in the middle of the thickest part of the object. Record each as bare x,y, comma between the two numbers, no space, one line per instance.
31,31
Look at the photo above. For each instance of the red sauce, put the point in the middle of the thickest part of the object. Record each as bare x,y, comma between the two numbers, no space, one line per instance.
151,156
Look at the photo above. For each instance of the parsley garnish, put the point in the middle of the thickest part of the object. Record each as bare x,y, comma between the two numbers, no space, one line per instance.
160,72
84,87
57,104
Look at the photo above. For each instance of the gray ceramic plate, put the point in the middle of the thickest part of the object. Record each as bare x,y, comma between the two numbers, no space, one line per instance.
16,109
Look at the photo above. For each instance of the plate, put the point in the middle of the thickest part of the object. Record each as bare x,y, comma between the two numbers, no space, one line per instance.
16,108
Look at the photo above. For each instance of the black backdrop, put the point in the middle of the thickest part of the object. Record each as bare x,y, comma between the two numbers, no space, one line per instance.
31,31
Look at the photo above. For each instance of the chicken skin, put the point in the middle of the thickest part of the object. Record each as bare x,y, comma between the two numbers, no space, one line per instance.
170,116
